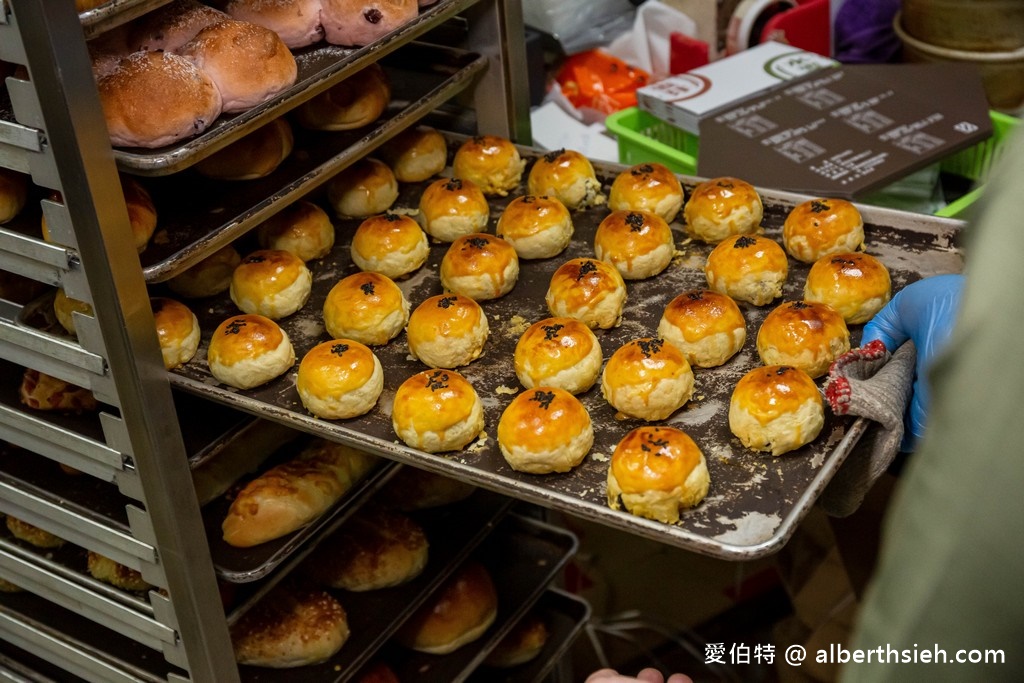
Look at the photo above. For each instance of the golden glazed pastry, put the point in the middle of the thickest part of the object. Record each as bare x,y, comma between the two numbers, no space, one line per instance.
647,379
413,489
723,207
142,216
491,163
33,535
776,408
115,573
302,228
447,330
64,308
856,285
365,188
209,277
543,430
803,334
177,329
272,283
820,227
249,350
748,268
339,379
569,177
647,187
639,244
536,226
416,154
13,193
558,352
436,411
657,472
40,391
451,208
522,644
480,266
256,155
588,290
357,101
706,326
367,307
390,244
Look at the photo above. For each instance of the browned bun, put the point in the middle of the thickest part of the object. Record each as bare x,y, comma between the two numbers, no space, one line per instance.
638,243
413,489
13,193
459,612
296,22
490,162
141,211
152,99
391,244
367,307
480,266
543,430
647,378
416,154
558,352
647,187
31,534
360,22
302,228
803,334
819,227
856,285
40,391
64,308
177,329
520,645
339,379
248,350
209,277
453,207
271,282
168,28
706,326
537,226
776,408
377,672
255,155
748,268
588,290
569,177
355,102
437,411
723,207
447,330
115,573
365,188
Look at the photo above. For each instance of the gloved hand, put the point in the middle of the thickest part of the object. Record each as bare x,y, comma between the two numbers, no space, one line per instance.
923,312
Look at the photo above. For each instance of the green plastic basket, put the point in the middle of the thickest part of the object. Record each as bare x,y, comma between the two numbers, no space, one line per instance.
643,137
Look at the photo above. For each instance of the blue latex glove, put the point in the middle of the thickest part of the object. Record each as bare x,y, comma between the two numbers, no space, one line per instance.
923,312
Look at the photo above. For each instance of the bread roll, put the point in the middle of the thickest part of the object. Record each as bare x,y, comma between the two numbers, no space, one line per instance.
377,672
490,162
142,216
558,352
168,28
647,379
723,207
366,307
115,573
209,277
40,391
271,283
33,535
339,379
706,326
413,489
289,627
776,408
256,155
459,612
544,430
819,227
639,244
656,472
249,350
177,329
365,188
357,101
302,228
522,644
588,290
451,208
13,193
447,330
391,244
296,22
289,496
803,334
416,154
569,177
748,268
436,411
480,266
361,22
856,285
536,226
64,308
647,187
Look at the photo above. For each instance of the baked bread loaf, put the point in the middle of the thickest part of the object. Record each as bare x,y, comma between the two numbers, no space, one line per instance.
249,350
706,326
177,329
339,379
271,282
116,574
536,226
776,408
296,22
436,411
588,290
360,22
819,227
209,277
447,330
391,244
142,215
256,155
647,379
522,644
647,187
413,489
40,391
13,193
639,244
366,307
451,208
490,162
64,308
543,430
803,334
168,28
357,101
856,285
459,612
748,268
302,228
569,177
33,535
289,496
289,627
377,548
558,352
723,207
480,266
364,189
416,154
657,472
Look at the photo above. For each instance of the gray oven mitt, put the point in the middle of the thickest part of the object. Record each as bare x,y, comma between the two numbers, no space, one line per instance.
872,383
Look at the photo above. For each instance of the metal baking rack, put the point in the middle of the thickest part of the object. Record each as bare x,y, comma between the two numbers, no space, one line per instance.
114,13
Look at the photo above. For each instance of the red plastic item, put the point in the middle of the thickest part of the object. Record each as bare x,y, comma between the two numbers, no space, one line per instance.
597,80
685,53
806,26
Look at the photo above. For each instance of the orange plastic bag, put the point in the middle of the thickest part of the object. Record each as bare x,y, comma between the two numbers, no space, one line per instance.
597,80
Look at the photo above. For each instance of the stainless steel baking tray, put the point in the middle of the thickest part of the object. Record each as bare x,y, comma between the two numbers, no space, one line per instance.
114,13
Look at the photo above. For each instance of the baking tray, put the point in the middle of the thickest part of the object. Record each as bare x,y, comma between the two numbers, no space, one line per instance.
113,13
